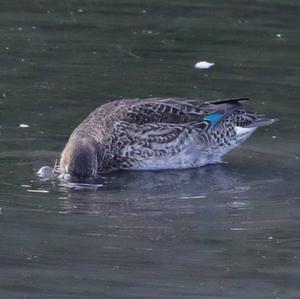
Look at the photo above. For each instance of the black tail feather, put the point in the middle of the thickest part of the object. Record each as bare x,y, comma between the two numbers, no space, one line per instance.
229,101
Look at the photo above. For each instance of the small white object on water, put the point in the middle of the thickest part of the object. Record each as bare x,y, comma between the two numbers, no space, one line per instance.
193,197
274,137
203,65
37,191
25,186
23,126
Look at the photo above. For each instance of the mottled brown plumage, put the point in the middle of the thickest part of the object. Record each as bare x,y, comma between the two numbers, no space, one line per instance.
155,134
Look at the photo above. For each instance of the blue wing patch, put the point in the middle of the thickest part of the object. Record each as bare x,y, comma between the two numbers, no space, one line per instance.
213,118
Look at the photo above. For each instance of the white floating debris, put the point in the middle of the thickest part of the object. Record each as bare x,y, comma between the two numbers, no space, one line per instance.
279,35
274,137
25,186
238,204
37,191
80,10
204,65
23,126
193,197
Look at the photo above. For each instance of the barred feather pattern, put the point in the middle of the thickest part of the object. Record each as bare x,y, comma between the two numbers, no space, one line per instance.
158,133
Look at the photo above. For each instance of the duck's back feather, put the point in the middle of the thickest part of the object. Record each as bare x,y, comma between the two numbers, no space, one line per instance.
156,110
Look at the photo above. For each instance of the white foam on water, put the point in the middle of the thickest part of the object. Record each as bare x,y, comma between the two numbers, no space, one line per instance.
45,172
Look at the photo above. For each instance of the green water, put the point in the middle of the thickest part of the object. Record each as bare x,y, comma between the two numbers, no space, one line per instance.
225,231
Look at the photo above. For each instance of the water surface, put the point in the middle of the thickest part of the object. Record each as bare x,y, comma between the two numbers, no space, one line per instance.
224,231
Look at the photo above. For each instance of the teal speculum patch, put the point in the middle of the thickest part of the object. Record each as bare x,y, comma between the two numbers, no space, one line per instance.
213,118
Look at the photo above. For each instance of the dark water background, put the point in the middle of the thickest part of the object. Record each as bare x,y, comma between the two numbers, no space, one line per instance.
225,231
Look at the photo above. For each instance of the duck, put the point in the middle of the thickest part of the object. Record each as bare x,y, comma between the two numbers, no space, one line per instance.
156,134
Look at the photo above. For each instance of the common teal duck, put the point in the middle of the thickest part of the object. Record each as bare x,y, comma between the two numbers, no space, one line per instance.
156,134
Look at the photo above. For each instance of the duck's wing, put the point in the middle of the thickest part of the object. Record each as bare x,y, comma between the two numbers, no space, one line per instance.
192,105
176,111
155,111
158,127
158,133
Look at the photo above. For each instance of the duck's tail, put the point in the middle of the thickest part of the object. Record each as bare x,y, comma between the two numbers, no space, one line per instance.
243,132
261,122
229,101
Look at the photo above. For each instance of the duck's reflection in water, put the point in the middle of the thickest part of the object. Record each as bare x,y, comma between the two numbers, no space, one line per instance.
147,190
